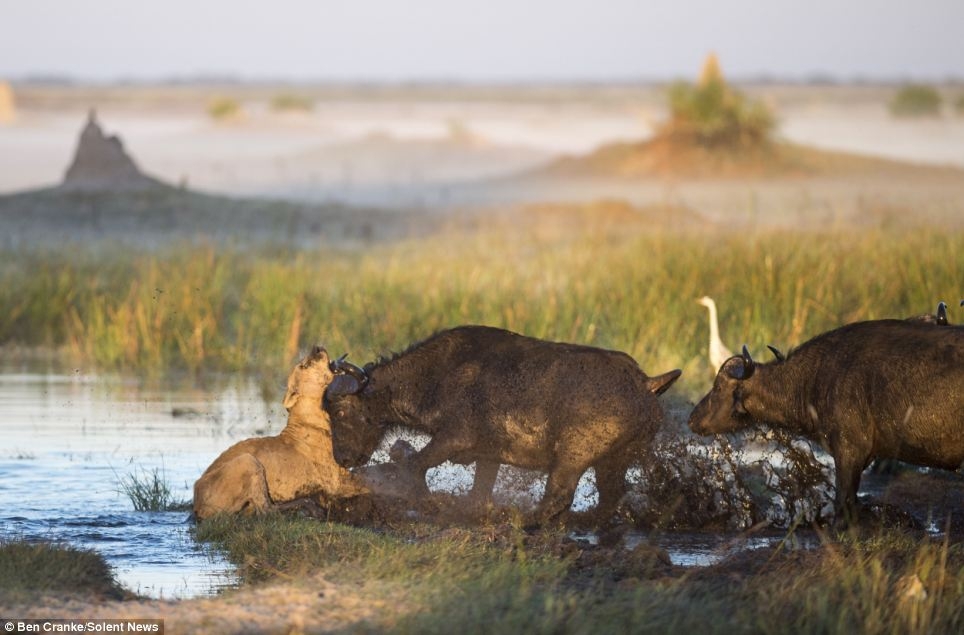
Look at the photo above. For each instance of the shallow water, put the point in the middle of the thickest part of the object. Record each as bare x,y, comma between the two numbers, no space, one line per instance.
69,439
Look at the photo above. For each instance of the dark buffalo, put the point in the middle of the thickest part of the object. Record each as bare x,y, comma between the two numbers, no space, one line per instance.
488,396
885,388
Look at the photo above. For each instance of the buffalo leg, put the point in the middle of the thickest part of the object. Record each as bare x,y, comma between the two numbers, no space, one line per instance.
560,490
847,481
485,475
611,485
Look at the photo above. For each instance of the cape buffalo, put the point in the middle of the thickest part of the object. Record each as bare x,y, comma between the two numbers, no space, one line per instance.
489,396
884,388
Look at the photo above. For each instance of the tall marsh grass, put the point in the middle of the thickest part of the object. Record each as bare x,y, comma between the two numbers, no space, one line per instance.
198,308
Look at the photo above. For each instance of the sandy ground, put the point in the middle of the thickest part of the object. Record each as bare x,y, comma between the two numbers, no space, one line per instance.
309,605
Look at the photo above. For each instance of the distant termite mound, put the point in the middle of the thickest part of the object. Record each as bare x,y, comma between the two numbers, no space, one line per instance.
8,109
101,163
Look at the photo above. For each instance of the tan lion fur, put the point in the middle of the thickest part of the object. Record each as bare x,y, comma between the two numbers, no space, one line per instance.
257,475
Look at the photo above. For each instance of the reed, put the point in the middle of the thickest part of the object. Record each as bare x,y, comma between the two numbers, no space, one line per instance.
201,309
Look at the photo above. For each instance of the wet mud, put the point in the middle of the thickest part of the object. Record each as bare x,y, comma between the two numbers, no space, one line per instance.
763,483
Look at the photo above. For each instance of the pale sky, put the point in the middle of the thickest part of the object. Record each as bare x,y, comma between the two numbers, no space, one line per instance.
480,40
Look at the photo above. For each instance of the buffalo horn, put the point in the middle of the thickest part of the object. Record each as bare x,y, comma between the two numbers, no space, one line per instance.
748,365
335,364
776,353
343,367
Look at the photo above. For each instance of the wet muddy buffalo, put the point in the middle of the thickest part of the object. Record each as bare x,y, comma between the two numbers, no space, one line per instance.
884,388
488,396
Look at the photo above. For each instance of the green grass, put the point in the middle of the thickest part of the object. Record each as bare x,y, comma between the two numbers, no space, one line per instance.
201,309
149,491
498,579
30,567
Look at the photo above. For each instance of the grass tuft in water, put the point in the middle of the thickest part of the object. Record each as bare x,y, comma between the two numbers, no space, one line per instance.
149,491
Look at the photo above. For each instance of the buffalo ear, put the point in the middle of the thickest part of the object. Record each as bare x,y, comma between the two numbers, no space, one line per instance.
734,368
739,366
776,353
661,383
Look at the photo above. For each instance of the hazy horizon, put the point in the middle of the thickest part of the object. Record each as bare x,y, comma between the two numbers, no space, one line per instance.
433,41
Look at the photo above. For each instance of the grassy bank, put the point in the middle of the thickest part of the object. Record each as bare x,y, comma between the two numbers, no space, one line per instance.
41,567
198,308
497,579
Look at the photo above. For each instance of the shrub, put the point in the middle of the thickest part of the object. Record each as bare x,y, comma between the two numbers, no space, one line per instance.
224,108
712,113
916,100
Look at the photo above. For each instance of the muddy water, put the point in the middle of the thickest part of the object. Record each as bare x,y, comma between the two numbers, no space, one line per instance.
68,439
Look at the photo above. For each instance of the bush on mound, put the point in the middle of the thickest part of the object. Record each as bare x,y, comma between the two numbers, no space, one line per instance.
713,114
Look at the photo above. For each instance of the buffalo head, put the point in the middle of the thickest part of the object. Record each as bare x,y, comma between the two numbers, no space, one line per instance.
724,409
355,433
